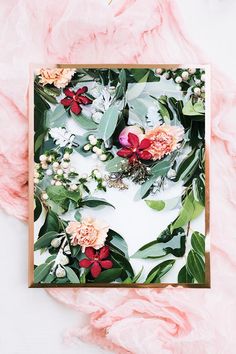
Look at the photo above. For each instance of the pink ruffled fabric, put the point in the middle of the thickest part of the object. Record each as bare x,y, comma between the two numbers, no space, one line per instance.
167,321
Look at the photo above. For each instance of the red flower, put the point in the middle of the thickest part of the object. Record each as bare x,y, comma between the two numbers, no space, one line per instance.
96,260
136,150
75,99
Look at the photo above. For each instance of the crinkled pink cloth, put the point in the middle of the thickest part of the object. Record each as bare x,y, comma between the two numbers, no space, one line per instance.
167,321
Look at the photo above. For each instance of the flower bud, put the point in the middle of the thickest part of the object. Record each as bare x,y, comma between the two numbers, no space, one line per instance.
63,259
87,147
55,165
134,129
171,174
191,70
44,196
178,79
73,187
56,242
103,157
66,156
159,71
49,172
197,91
60,272
203,77
42,158
185,75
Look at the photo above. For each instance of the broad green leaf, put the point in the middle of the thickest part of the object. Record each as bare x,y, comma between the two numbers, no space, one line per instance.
160,205
138,275
120,261
56,118
108,123
95,202
51,223
184,276
117,243
199,190
108,276
59,194
199,107
42,271
77,215
37,209
188,166
50,258
198,242
84,122
49,278
160,169
115,164
192,110
71,275
189,211
196,267
159,271
120,90
45,240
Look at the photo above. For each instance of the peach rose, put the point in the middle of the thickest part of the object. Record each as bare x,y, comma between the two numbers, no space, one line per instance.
165,139
88,233
58,77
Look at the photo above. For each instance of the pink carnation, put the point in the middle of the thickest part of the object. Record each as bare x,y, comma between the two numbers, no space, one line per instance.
165,139
58,77
88,233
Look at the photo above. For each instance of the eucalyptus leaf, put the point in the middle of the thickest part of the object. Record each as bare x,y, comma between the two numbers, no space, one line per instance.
84,122
51,223
115,164
162,205
45,240
108,123
42,271
71,275
108,276
37,209
95,202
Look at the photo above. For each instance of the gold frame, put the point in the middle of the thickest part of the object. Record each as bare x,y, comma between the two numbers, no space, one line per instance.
31,283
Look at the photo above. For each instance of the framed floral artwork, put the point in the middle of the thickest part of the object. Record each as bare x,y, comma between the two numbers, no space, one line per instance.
119,176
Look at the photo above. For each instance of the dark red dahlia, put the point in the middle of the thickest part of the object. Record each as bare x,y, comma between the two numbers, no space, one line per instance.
136,150
75,99
96,260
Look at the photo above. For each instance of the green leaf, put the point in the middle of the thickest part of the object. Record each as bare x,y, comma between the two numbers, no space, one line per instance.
189,211
115,164
199,190
188,166
120,90
60,194
138,275
196,267
95,202
37,209
84,122
56,118
77,215
108,123
184,276
122,262
71,275
45,240
117,243
159,271
160,169
193,110
51,223
108,276
160,205
42,271
157,249
198,243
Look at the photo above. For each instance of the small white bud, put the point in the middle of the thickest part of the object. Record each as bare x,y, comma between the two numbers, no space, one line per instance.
60,272
191,70
58,183
159,71
104,183
95,149
56,242
63,260
55,165
60,172
91,137
53,182
178,79
44,166
87,147
42,158
185,75
197,91
93,141
44,196
103,157
66,156
36,174
197,81
97,174
171,174
203,89
36,180
67,250
65,164
73,187
49,172
99,152
203,77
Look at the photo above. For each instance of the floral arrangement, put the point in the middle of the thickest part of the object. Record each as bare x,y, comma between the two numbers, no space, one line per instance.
141,136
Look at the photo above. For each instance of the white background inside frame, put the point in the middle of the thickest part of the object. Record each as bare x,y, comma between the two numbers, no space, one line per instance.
133,220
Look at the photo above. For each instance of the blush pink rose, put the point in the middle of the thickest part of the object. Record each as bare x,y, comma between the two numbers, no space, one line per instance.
88,233
58,77
165,139
134,129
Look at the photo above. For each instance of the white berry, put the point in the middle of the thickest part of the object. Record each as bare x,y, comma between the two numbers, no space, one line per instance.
56,242
87,147
73,187
185,75
103,157
60,272
191,70
178,79
203,77
203,88
43,158
60,172
66,156
65,164
36,180
44,196
63,260
49,172
91,137
55,165
197,91
53,182
158,71
58,183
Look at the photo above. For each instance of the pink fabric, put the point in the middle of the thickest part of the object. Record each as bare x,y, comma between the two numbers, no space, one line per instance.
168,321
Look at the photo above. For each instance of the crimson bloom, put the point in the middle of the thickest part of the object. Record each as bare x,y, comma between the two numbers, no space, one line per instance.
96,260
136,150
75,99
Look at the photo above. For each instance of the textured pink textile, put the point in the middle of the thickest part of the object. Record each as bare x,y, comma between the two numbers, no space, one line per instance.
168,321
